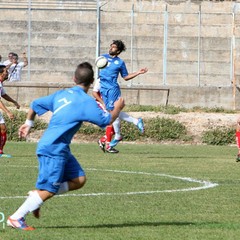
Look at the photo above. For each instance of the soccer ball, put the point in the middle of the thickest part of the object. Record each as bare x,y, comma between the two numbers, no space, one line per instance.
101,62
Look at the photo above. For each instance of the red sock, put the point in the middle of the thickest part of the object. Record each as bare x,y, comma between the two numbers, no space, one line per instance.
238,139
3,139
109,133
103,139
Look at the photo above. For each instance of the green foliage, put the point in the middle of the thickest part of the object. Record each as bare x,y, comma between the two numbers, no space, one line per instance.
13,126
88,128
219,136
129,131
165,109
170,109
157,129
165,129
212,110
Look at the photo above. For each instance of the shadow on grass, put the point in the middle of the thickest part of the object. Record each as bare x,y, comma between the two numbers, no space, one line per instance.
184,157
123,225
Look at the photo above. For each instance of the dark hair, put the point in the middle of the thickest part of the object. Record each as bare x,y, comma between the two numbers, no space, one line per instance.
2,68
84,74
120,45
15,55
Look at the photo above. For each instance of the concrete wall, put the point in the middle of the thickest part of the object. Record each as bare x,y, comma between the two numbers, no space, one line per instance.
200,65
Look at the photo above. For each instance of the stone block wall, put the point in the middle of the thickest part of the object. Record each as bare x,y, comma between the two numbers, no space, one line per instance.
197,38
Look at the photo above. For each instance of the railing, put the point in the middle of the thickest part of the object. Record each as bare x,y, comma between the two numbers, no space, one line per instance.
50,4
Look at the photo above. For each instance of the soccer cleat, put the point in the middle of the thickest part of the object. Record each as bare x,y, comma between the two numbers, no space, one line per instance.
140,125
238,158
5,155
101,145
19,224
111,150
114,142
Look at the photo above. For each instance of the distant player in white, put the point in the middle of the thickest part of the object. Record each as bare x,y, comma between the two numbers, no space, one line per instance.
15,70
3,94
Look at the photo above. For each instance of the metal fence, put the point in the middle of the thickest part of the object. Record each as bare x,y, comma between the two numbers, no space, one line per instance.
185,48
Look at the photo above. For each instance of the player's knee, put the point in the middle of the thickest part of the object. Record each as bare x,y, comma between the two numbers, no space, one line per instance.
82,181
79,182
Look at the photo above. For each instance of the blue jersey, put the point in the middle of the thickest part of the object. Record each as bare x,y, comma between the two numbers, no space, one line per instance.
109,75
70,107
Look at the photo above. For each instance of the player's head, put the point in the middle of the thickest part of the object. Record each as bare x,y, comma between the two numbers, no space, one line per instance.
10,55
3,73
84,74
116,47
14,58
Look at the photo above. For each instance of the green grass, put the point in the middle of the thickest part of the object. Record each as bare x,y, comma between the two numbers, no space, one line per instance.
204,214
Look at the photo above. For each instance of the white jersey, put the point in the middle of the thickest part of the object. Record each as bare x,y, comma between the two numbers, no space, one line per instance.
15,71
2,92
7,62
96,87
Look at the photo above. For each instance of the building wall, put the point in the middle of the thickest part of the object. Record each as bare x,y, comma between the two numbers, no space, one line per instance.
190,48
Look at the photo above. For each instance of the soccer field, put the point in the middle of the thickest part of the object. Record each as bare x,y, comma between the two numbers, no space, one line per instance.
144,192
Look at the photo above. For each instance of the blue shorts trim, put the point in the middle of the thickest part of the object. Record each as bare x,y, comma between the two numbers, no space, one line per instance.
55,170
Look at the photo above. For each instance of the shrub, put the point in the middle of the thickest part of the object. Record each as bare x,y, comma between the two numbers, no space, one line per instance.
219,136
165,109
88,128
13,126
165,129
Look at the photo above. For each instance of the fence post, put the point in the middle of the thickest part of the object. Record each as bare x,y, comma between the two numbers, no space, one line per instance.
199,43
165,46
29,39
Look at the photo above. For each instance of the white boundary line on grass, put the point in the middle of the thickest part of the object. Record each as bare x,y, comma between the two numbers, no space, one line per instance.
204,185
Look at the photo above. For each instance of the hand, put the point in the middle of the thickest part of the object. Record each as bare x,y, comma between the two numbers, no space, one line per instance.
17,105
10,115
119,103
24,130
142,70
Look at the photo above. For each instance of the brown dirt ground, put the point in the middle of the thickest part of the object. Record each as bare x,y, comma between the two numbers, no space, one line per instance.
195,122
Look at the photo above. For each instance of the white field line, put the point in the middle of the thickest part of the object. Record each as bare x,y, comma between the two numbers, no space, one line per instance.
204,185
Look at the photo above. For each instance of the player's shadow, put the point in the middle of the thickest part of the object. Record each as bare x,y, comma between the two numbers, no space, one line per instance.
123,225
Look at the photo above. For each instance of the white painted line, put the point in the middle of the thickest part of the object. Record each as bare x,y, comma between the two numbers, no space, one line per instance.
204,185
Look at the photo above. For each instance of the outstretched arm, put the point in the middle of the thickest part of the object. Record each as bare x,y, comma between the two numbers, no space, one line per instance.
9,99
135,74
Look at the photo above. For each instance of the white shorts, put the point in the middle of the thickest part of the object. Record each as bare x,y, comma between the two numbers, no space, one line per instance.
1,119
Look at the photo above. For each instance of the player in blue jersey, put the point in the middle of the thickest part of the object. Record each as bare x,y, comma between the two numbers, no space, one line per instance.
59,170
110,89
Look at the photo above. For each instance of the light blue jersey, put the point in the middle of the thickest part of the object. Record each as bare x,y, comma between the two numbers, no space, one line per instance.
109,75
110,90
70,107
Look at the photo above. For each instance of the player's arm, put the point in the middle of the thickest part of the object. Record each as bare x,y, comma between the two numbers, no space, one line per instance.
9,99
24,130
135,74
3,107
94,114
